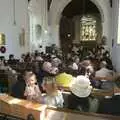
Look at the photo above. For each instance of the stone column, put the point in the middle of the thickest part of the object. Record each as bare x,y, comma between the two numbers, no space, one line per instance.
54,35
77,29
39,13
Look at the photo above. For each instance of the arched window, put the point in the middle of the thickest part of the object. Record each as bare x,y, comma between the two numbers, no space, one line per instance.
88,29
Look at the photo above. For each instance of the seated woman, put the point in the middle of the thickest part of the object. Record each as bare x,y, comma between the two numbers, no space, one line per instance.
79,98
112,105
53,96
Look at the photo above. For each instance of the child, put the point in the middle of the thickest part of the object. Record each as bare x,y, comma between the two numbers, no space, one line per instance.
53,97
32,91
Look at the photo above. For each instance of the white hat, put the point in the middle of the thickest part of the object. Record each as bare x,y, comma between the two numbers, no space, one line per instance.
81,86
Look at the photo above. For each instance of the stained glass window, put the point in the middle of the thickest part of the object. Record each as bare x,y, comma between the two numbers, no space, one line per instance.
88,29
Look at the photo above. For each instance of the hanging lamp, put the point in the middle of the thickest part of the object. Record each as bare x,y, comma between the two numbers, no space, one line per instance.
14,16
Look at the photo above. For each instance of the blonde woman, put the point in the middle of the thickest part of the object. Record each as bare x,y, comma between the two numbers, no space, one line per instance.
53,96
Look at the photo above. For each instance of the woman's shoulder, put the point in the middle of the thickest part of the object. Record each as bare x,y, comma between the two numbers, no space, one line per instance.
59,93
59,96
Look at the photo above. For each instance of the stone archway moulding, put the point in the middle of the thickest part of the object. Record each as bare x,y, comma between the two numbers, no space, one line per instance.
59,6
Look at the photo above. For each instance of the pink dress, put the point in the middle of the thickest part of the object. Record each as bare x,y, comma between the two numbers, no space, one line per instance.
33,93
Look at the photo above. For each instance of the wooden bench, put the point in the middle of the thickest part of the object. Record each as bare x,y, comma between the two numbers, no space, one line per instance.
95,92
22,108
104,78
66,114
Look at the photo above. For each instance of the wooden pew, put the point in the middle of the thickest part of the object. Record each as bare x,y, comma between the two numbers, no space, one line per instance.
66,114
95,92
104,78
21,108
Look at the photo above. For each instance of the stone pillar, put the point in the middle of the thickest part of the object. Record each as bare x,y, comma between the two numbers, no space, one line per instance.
39,12
115,34
77,29
54,35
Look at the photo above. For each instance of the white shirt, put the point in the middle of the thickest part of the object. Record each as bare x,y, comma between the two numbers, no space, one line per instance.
56,101
104,72
75,66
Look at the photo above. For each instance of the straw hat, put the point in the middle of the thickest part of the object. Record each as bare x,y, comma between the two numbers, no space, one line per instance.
81,86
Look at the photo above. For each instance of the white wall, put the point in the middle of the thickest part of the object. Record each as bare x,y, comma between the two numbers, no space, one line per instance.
116,47
11,31
57,7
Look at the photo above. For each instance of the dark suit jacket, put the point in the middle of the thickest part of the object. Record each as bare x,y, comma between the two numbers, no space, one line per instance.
110,106
18,89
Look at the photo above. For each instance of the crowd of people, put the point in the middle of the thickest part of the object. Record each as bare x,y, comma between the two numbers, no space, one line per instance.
44,74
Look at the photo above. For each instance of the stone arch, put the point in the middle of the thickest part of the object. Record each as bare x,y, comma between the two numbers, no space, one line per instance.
58,6
64,3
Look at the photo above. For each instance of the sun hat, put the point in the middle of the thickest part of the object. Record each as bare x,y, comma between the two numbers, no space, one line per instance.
81,86
64,79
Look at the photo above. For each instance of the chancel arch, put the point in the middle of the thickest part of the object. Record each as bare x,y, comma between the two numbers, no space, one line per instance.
103,6
80,23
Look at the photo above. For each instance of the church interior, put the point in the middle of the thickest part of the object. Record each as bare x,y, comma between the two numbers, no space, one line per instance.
59,60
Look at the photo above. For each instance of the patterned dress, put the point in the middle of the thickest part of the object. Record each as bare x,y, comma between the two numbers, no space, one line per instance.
33,93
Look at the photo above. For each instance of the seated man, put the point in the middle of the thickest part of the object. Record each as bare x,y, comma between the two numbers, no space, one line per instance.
11,59
104,74
112,105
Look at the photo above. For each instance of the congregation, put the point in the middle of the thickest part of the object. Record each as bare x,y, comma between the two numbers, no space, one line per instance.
43,77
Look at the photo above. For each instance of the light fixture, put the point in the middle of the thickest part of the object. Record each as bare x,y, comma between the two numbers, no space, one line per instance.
14,17
68,34
46,31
